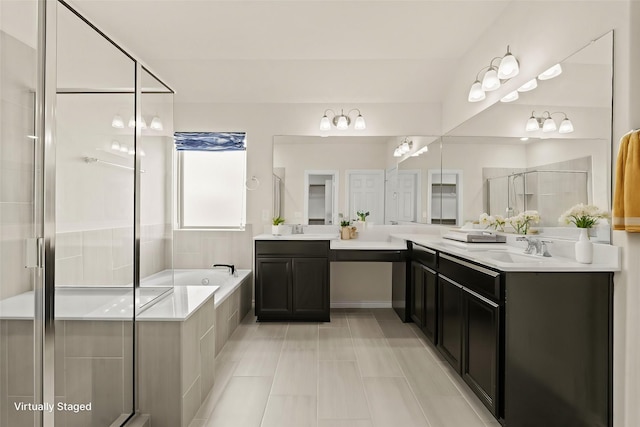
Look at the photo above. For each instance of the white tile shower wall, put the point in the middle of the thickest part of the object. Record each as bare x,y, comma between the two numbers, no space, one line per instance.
17,83
201,249
105,257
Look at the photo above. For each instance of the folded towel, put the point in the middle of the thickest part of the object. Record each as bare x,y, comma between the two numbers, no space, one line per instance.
626,200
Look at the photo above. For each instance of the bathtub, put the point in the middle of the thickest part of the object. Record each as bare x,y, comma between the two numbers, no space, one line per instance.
200,277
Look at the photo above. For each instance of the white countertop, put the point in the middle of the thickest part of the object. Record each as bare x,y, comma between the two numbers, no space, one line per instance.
496,255
180,304
365,245
318,236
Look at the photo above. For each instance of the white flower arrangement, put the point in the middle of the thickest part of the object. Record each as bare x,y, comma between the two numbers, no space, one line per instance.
497,222
583,216
522,222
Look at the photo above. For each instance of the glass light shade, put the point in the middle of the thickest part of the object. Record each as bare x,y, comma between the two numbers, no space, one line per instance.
132,122
342,123
549,125
124,148
143,124
115,145
530,85
117,122
359,124
524,138
405,147
552,72
508,67
397,153
325,124
510,97
532,124
142,153
476,93
131,151
490,81
566,126
156,124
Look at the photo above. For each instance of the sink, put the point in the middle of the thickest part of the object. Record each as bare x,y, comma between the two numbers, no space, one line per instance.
513,258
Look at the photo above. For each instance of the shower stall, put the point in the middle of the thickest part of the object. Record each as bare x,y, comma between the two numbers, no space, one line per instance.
548,191
86,187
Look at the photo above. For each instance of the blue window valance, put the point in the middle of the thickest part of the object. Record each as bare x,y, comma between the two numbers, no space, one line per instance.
210,141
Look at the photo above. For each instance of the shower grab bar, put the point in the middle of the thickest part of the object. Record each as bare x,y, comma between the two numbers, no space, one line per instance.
96,160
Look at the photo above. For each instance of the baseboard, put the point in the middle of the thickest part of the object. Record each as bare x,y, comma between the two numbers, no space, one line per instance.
361,304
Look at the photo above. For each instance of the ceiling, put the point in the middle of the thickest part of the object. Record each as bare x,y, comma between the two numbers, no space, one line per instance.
298,51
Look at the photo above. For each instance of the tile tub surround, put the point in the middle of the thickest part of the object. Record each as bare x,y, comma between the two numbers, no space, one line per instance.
93,358
176,365
231,307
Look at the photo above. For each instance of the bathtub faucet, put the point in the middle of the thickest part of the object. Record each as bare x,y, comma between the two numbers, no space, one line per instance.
231,267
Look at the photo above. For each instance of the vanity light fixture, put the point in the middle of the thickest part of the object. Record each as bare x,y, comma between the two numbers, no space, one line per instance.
420,151
510,97
156,124
403,148
341,121
132,123
530,85
552,72
524,138
546,122
117,122
494,76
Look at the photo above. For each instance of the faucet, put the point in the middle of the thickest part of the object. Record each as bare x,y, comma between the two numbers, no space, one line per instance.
537,245
297,229
231,268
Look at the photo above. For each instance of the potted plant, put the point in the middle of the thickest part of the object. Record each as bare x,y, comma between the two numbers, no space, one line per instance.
584,217
522,222
362,218
497,222
276,225
345,230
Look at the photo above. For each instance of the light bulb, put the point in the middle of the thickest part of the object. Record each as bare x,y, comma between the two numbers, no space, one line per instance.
132,122
510,97
359,124
117,122
508,67
156,124
530,85
549,125
124,148
565,126
532,124
325,124
476,93
552,72
490,81
115,145
342,123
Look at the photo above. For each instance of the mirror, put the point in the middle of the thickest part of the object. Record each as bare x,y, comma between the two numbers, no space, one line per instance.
318,179
490,163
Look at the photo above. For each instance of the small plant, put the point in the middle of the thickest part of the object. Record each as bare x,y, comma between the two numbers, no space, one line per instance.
583,216
362,216
522,222
345,223
278,220
497,222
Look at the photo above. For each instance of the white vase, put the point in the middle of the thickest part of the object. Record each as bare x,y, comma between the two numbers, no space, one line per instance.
276,230
584,247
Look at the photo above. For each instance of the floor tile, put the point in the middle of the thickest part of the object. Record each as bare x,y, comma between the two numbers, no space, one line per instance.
297,373
364,327
424,374
344,423
260,358
242,404
271,330
450,412
198,423
393,404
375,358
223,374
338,320
291,411
340,391
385,314
301,336
336,344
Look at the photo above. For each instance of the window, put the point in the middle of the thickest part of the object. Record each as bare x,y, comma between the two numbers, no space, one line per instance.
211,174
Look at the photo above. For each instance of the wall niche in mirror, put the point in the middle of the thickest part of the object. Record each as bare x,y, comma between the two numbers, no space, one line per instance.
316,179
507,169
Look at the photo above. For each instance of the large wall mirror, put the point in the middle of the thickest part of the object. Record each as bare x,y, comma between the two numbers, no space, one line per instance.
492,164
323,180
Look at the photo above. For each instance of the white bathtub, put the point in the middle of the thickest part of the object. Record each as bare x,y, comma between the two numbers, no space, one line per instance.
200,277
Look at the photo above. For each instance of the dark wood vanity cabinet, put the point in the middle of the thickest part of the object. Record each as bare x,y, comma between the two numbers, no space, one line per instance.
423,299
292,280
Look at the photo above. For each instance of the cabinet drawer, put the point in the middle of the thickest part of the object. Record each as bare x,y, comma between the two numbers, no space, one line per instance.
293,248
424,255
480,279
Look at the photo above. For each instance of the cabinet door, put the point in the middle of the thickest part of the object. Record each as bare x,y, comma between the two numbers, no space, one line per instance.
450,321
417,294
481,334
311,288
430,285
273,286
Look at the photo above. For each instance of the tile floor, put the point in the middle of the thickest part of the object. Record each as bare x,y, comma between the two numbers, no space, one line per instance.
364,369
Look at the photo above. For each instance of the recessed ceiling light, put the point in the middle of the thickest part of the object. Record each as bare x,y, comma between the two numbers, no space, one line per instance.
524,138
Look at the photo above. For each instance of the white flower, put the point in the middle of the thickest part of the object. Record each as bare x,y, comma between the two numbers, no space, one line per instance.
583,216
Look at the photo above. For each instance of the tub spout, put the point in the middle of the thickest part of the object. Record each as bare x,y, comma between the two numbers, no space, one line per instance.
231,267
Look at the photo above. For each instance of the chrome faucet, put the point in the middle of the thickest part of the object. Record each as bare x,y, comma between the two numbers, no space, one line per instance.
297,229
535,246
